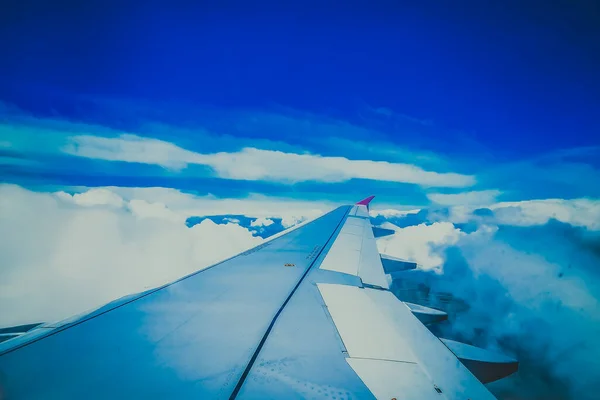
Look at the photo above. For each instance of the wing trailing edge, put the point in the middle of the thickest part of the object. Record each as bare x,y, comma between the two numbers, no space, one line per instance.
381,232
394,264
426,315
487,366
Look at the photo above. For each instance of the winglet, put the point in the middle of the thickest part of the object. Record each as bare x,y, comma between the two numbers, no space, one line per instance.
365,202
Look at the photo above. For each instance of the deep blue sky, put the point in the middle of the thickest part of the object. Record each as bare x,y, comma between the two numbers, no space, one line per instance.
510,72
497,81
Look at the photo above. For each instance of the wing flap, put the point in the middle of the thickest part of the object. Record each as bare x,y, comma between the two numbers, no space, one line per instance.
374,324
365,331
355,252
394,380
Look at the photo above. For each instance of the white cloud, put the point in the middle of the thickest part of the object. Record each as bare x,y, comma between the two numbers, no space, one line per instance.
93,197
420,243
523,297
538,303
473,198
391,213
291,220
257,164
262,222
254,205
131,148
577,212
143,209
529,278
61,255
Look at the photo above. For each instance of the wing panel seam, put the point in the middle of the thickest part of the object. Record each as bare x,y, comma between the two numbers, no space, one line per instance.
240,383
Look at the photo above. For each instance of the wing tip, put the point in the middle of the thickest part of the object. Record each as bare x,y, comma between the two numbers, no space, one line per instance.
365,202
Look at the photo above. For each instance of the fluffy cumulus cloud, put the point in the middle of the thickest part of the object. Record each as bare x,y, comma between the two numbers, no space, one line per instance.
420,243
541,309
93,197
65,252
258,164
262,222
62,254
255,205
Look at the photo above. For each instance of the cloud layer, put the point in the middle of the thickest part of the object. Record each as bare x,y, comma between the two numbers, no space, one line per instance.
525,284
63,254
529,289
185,205
583,212
257,164
482,197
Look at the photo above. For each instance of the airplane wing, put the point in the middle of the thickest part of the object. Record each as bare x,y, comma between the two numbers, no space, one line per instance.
307,314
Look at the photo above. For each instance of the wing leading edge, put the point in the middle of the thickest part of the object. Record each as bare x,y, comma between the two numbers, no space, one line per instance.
308,314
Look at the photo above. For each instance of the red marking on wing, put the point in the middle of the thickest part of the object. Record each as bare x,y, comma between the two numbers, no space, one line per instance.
366,201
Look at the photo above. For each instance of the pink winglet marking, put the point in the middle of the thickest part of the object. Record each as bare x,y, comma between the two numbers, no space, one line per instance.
366,201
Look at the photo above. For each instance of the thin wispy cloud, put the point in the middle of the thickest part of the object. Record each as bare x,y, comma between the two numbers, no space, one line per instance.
481,197
257,164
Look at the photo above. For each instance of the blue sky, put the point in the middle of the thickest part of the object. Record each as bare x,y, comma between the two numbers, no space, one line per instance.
137,135
507,94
